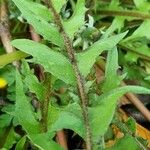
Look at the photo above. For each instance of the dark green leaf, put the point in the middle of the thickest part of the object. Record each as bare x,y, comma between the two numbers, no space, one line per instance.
5,120
10,139
73,24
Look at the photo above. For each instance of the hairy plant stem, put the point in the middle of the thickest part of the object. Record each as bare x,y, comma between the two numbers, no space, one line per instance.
134,14
80,82
45,103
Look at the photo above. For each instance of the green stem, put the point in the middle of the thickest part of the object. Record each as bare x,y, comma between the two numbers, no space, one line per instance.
145,57
72,4
125,13
45,103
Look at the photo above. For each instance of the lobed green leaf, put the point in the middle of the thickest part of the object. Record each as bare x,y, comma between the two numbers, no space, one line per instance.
52,61
88,57
108,101
58,5
73,24
23,109
48,30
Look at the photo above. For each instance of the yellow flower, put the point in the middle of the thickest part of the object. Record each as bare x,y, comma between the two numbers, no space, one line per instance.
3,83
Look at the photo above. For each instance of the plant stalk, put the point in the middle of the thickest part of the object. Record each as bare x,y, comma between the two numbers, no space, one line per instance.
142,56
47,78
61,137
80,82
134,14
45,102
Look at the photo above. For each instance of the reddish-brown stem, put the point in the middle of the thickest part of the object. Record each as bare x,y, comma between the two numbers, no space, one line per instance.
139,105
61,139
35,37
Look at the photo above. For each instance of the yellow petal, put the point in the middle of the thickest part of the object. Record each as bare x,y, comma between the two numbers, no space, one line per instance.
3,83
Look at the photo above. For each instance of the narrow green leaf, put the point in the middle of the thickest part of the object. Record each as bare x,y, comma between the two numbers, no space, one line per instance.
141,49
47,30
111,71
53,115
112,59
117,24
35,86
108,101
11,139
73,24
142,5
58,5
23,110
116,93
131,124
131,57
21,143
140,32
88,57
53,62
25,68
9,58
44,142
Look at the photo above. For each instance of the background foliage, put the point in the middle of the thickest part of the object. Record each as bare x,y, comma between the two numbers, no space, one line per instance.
114,34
